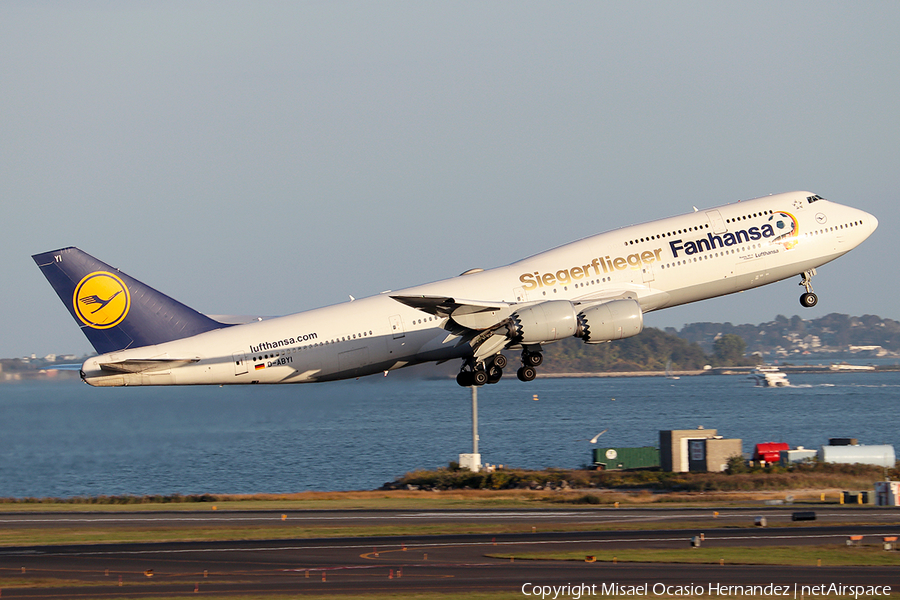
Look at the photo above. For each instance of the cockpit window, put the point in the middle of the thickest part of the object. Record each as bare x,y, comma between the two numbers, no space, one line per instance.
815,198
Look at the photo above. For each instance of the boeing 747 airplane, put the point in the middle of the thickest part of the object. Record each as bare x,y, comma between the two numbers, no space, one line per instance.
596,289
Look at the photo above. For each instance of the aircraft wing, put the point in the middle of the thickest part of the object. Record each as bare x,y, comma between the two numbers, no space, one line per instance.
488,327
471,314
484,316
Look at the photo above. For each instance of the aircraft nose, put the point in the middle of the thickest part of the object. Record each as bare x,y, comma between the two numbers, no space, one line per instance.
872,221
869,221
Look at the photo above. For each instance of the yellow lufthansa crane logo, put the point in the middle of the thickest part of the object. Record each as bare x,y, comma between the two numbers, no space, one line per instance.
101,300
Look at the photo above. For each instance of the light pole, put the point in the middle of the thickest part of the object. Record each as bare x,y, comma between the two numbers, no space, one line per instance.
472,461
475,420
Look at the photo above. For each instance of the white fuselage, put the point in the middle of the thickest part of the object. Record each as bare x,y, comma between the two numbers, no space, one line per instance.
662,263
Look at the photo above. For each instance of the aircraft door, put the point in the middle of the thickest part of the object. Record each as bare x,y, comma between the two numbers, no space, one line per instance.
240,363
716,221
397,326
647,272
519,294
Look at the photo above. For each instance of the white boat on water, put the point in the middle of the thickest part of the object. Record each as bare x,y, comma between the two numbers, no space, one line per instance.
770,377
669,371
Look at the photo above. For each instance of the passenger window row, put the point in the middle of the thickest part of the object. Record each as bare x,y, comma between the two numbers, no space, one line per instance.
336,340
696,228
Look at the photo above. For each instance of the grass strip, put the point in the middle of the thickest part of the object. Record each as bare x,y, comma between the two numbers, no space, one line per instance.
112,535
98,534
431,595
305,501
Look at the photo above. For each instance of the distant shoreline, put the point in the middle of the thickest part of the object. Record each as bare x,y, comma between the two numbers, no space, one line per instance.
51,374
621,374
797,369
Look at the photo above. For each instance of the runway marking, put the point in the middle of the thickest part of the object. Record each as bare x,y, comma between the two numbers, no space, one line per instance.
709,538
384,566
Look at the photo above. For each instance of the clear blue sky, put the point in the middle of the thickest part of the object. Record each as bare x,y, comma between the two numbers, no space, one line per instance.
267,158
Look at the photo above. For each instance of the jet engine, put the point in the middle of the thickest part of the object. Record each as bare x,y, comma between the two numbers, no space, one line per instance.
610,321
556,319
545,322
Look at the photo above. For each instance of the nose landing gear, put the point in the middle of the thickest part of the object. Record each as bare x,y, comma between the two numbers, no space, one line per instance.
808,299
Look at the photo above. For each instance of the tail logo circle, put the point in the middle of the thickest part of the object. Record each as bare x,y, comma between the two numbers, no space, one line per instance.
101,300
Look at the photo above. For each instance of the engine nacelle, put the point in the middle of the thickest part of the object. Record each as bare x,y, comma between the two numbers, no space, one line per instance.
545,322
610,321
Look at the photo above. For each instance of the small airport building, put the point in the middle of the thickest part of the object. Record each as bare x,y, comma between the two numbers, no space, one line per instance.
682,450
615,459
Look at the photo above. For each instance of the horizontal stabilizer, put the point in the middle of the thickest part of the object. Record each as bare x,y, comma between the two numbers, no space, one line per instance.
238,319
146,365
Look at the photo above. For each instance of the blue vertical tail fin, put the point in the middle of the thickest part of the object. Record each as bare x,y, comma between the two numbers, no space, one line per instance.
116,311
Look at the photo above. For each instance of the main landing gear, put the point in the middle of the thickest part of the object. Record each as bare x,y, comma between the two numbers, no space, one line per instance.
531,358
491,370
808,299
488,371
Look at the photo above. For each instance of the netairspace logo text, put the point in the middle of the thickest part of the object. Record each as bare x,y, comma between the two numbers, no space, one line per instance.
583,590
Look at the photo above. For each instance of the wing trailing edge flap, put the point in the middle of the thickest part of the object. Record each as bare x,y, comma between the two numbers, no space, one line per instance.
488,345
471,314
648,302
145,365
480,321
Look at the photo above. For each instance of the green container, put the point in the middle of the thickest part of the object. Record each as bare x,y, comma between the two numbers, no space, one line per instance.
626,458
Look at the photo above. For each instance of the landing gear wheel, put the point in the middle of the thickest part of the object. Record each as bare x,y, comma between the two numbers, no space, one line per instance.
526,373
465,379
479,377
533,359
494,374
500,361
809,299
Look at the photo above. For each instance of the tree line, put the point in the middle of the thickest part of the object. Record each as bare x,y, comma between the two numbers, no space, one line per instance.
652,350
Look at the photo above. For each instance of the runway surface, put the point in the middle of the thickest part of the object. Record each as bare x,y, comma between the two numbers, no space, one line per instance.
419,563
358,518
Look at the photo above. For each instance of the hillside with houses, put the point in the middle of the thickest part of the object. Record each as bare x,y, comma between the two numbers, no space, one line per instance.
832,338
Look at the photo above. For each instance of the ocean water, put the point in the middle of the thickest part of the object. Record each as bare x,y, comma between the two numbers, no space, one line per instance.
64,438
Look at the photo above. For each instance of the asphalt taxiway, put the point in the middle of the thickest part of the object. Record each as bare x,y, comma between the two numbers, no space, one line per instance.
421,563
